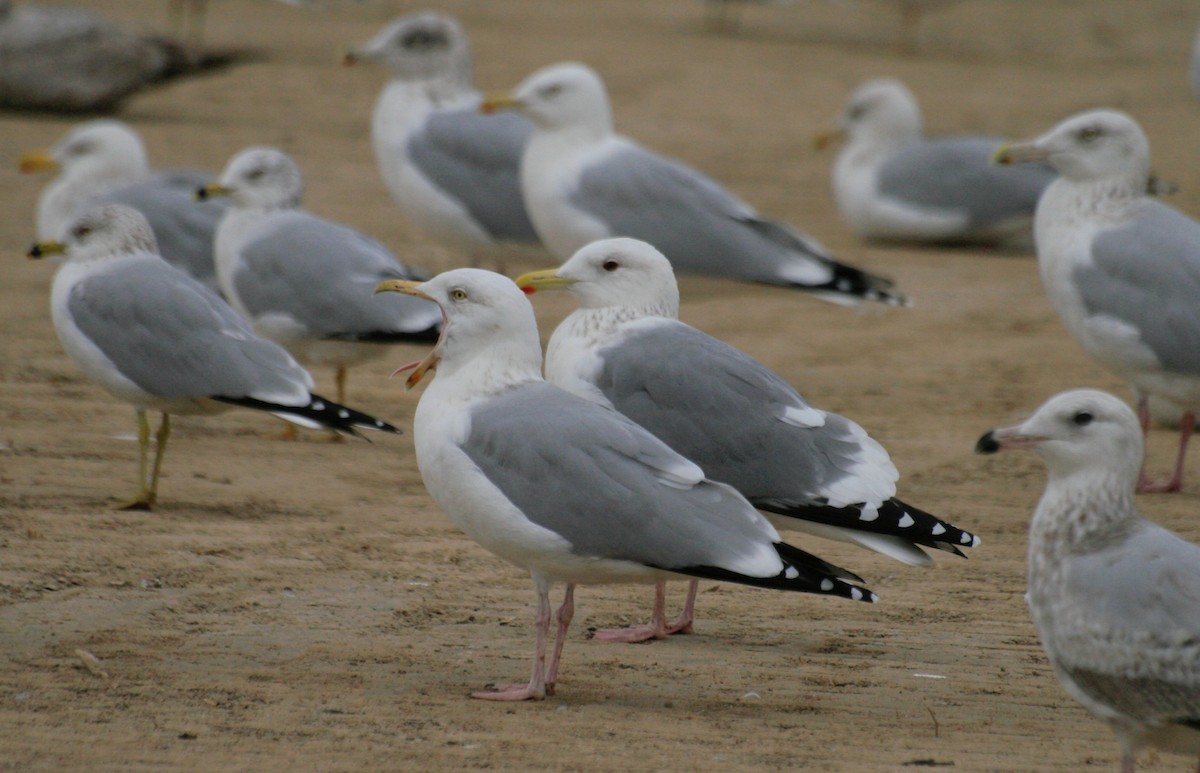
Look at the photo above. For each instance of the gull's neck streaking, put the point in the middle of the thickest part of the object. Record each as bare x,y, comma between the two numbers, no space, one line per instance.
474,366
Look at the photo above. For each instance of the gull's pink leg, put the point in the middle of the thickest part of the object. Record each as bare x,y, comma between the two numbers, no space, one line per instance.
655,629
565,613
536,689
1186,424
684,623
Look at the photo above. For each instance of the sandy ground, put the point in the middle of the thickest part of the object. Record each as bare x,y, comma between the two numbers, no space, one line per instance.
306,606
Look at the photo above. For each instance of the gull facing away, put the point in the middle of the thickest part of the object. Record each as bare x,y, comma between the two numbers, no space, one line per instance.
303,281
454,173
566,489
105,162
582,182
1113,595
810,470
153,336
1121,269
892,183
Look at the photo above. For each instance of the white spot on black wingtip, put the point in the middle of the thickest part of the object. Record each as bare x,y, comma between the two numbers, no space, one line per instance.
827,585
343,414
380,423
318,405
970,539
873,597
791,573
868,514
856,594
905,521
938,528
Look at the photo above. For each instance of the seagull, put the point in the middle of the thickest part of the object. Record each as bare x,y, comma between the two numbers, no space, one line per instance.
105,162
1113,595
302,280
1121,269
564,488
809,469
454,173
892,183
153,336
582,182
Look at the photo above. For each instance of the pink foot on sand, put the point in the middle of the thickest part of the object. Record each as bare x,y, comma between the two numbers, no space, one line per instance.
631,634
509,692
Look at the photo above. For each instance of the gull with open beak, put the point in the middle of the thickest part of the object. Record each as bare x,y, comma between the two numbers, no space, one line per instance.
566,489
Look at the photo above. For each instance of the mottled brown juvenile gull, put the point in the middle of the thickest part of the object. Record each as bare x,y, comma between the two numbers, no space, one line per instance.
1114,596
1121,269
454,173
809,469
105,162
582,182
303,281
569,490
72,60
154,337
892,183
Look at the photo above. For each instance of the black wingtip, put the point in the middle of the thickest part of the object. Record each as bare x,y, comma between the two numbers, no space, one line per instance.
320,411
802,573
893,518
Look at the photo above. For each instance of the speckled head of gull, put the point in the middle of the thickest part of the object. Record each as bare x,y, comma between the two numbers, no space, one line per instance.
809,469
569,490
419,46
583,182
1114,596
1121,269
153,336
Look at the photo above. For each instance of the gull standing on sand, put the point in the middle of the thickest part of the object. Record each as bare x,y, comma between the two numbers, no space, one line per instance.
1114,596
892,183
105,162
454,173
809,469
582,182
303,281
1121,269
153,336
564,488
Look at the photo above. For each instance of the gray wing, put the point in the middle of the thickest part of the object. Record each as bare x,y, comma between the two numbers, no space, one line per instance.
691,389
1135,642
748,427
323,275
184,227
1147,273
703,229
176,339
476,159
607,486
957,173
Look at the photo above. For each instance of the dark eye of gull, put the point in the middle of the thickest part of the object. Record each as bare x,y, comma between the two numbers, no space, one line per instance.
458,294
1082,418
1089,133
611,265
